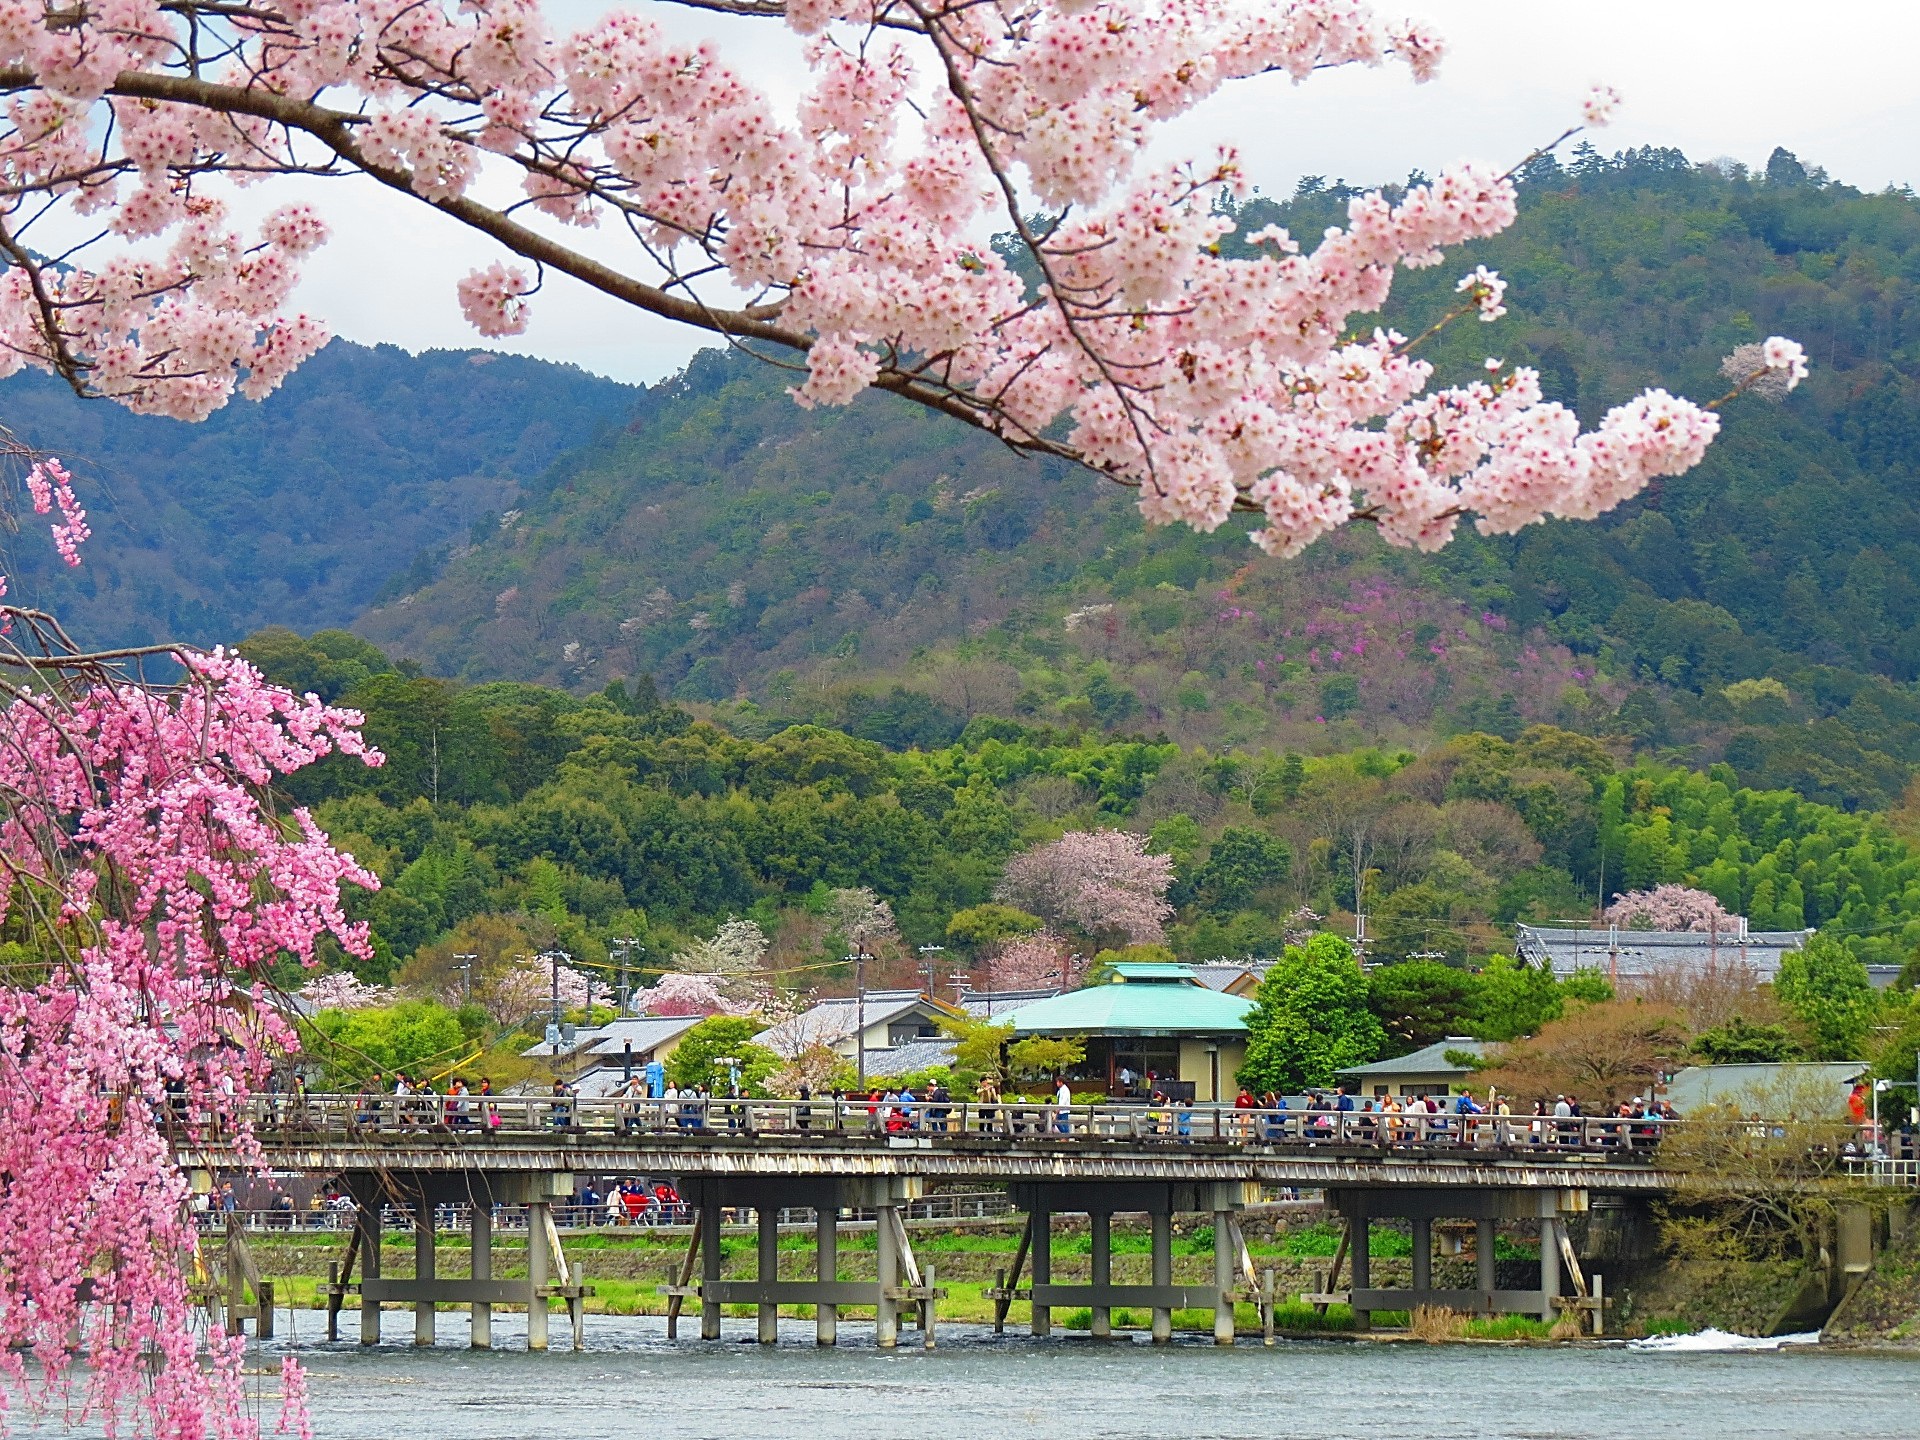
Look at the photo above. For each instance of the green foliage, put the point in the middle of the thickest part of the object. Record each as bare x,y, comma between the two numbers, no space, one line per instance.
1420,1001
979,1048
1241,864
1037,1059
984,924
1516,998
1740,1041
1897,1058
1310,1019
699,1057
1829,993
416,1036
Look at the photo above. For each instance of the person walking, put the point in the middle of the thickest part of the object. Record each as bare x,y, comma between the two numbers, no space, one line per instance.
1062,1105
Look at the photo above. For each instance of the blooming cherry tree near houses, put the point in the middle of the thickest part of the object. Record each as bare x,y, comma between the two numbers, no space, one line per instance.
847,236
1670,907
1104,884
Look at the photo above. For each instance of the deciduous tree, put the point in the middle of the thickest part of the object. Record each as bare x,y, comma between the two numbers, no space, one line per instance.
1104,884
1310,1019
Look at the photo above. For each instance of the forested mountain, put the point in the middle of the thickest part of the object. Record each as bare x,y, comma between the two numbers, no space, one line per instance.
893,572
300,509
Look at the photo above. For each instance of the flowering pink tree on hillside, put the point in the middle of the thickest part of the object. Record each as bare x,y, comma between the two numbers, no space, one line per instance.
845,233
1103,884
1042,961
1670,907
151,887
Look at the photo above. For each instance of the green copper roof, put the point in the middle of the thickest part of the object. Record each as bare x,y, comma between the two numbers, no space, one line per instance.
1135,970
1135,1008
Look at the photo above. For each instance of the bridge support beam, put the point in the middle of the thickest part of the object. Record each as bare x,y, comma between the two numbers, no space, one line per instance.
710,1264
480,1241
366,1219
1162,1246
423,1268
768,1268
539,1214
1040,1258
1100,1254
826,1271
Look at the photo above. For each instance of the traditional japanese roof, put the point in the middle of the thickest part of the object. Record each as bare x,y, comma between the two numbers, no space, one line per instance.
1429,1060
647,1032
1225,974
1749,1086
1654,952
1139,1000
915,1055
994,1004
830,1021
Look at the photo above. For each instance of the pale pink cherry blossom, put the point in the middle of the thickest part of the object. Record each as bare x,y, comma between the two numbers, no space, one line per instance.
1104,884
1670,907
845,229
1598,107
343,990
676,993
1787,357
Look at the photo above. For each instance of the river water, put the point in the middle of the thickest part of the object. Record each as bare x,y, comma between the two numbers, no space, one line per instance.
630,1384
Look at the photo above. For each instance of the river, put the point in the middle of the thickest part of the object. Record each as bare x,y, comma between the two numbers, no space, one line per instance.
631,1385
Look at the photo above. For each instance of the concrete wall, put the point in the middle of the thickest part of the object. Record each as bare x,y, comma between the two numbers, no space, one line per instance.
1197,1066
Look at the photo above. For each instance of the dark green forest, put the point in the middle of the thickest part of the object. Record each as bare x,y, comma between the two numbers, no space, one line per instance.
890,572
301,509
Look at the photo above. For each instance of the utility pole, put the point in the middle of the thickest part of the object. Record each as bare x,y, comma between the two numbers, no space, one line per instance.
623,946
859,959
554,957
464,964
927,952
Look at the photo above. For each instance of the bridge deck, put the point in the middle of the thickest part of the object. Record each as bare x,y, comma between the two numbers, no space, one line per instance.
1001,1143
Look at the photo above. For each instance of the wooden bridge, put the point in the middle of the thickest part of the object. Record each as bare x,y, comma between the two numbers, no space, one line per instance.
830,1156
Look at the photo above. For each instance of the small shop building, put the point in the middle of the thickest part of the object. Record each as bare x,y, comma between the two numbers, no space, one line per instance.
1148,1028
1427,1071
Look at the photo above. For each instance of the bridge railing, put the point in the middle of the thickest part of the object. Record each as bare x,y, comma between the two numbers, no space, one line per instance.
478,1119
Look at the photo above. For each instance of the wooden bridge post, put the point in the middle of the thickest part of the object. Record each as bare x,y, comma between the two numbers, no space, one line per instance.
424,1256
1360,1255
366,1220
480,1240
1223,1285
1162,1220
1549,1265
826,1241
1041,1221
768,1218
538,1216
886,1308
1422,1259
1485,1262
1100,1248
710,1263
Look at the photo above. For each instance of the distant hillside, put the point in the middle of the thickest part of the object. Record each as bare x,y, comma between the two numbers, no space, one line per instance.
298,510
898,574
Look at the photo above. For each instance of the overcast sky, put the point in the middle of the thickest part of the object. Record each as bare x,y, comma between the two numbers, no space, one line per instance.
1835,83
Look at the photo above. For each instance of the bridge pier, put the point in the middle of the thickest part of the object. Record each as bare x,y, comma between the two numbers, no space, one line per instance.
480,1241
1484,1205
826,1272
768,1219
423,1270
539,1217
1098,1200
710,1208
367,1220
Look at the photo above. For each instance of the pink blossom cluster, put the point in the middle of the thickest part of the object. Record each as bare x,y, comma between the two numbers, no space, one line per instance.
49,484
527,990
1210,378
1100,883
676,993
155,887
1670,907
343,990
